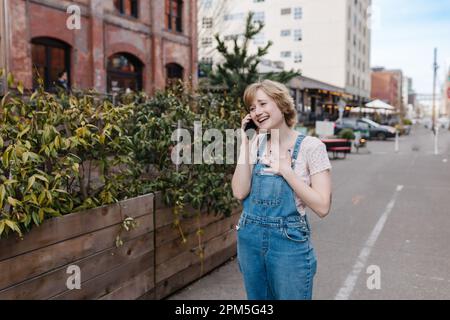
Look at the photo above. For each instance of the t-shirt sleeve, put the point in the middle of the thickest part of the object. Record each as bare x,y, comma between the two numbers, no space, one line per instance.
317,157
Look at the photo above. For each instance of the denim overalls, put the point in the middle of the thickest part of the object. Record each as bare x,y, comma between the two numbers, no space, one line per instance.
274,251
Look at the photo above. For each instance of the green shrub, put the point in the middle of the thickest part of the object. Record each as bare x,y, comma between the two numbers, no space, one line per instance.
56,160
346,134
407,122
61,154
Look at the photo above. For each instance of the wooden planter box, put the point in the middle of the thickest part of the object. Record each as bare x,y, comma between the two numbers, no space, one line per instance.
36,267
151,264
177,264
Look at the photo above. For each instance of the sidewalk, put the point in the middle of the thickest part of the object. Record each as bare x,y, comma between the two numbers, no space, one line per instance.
224,283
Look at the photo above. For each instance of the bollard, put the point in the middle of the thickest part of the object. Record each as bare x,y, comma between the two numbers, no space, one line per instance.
396,141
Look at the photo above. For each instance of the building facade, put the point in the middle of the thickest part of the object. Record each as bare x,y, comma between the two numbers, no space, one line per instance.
117,45
387,86
446,95
327,40
3,51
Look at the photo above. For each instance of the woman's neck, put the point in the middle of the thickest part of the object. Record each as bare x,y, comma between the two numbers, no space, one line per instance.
282,136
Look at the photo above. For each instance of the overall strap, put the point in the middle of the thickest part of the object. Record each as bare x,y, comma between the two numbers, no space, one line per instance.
297,147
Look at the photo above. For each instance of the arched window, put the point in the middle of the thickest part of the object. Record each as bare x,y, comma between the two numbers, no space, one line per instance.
174,15
124,72
127,7
50,58
174,72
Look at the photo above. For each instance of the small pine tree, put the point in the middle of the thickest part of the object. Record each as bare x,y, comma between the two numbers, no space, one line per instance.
239,68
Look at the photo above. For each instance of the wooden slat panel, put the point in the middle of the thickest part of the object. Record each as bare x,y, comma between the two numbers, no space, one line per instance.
170,232
173,248
110,281
20,268
185,277
188,258
164,215
54,282
134,288
61,228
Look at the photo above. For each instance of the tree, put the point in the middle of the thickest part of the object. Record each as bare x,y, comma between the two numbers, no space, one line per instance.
240,68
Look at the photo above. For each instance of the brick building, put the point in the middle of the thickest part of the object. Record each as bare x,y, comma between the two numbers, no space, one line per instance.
387,86
135,44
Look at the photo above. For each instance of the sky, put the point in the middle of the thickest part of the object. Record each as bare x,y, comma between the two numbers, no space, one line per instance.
404,35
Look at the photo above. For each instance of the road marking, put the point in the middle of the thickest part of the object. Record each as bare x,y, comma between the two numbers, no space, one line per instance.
349,283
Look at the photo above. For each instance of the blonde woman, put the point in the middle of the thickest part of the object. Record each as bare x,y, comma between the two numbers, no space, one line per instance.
279,173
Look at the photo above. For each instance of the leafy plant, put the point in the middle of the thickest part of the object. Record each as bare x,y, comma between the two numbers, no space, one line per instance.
57,160
347,134
240,68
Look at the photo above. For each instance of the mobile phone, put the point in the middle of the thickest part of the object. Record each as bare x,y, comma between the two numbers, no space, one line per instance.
250,125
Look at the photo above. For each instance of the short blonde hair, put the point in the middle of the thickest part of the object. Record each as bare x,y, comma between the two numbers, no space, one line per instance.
279,93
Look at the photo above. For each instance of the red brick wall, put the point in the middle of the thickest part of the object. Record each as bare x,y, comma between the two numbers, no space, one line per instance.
385,87
103,33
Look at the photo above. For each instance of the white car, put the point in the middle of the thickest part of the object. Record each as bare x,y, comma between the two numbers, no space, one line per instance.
443,123
426,122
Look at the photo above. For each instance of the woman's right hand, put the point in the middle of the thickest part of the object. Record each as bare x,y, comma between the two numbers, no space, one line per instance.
244,122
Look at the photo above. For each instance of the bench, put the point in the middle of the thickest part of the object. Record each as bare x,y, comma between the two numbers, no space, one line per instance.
338,146
340,150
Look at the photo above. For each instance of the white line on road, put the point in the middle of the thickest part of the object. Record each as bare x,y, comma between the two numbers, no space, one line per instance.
349,284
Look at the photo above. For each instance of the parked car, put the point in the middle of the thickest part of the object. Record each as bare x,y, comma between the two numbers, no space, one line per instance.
444,123
354,124
426,122
369,129
378,131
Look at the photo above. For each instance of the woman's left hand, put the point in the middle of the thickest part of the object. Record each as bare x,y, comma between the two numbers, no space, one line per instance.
278,165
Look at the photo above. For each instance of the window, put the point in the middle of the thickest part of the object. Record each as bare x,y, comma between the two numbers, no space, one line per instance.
298,57
174,15
285,54
259,39
285,11
124,73
205,66
50,58
297,35
207,60
174,73
285,33
207,23
234,16
127,7
207,4
231,37
206,42
259,17
298,13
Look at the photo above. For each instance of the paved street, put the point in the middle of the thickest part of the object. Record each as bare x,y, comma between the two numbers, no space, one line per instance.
390,210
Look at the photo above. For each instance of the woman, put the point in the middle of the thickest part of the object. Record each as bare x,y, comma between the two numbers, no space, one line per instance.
281,174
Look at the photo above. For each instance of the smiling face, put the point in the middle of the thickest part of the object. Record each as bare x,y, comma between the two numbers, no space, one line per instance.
265,112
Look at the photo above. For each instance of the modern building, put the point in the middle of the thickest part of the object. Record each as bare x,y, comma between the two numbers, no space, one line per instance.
327,40
117,45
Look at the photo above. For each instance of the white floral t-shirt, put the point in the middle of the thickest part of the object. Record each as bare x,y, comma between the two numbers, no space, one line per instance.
312,159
